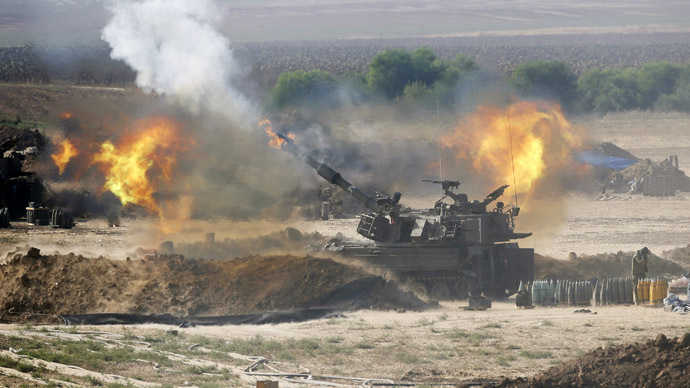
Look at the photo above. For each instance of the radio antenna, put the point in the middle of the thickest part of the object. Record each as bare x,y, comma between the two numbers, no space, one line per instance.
438,130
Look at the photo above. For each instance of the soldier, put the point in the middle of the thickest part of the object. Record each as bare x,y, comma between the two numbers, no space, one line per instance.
639,265
522,299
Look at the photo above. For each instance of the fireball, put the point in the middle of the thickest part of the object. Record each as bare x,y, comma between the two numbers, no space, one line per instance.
66,152
274,141
142,161
522,145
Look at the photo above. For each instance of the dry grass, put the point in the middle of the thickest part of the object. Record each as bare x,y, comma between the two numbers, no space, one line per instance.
462,345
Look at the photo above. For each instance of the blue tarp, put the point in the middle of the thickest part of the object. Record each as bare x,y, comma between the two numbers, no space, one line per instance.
598,159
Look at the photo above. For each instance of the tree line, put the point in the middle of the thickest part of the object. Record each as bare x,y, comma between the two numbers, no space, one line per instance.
421,77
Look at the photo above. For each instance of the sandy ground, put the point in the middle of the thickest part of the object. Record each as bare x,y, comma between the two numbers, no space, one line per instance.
445,345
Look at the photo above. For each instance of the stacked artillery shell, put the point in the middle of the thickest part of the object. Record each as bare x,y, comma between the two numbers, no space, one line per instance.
61,219
616,291
585,292
603,291
643,287
535,293
547,292
543,291
639,292
563,293
663,291
657,290
573,294
629,291
578,293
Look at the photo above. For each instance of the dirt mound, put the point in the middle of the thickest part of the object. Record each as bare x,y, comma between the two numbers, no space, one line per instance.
656,363
599,266
680,255
39,287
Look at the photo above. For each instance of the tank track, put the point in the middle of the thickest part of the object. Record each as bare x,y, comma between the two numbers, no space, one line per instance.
439,285
449,286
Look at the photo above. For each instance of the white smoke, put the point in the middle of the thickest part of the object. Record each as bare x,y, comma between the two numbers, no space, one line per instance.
176,52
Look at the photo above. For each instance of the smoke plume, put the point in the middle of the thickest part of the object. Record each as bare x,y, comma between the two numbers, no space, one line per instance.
176,52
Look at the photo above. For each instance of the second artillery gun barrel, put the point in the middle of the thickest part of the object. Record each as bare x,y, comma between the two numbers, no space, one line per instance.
329,174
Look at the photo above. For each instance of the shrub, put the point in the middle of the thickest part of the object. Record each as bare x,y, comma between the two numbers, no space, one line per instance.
555,79
299,86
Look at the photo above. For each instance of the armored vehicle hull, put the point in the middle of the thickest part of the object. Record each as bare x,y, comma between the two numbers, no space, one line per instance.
449,271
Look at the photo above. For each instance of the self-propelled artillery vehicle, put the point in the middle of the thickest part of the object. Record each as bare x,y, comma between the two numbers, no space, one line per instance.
445,252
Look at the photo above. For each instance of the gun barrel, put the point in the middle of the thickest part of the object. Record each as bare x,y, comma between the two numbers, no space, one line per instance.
327,173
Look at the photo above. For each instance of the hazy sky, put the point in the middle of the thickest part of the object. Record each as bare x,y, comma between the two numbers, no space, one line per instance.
80,21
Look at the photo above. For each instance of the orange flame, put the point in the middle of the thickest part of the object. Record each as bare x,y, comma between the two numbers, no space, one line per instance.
275,140
542,143
65,115
135,166
62,157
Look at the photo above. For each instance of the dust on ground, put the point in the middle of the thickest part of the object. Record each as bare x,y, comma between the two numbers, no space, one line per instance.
447,345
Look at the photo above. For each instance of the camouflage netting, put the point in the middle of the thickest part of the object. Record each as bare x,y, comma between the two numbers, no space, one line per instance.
610,149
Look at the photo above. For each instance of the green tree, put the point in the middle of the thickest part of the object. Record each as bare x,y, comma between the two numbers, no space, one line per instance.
678,101
555,78
655,79
618,91
390,71
416,91
427,67
298,86
464,63
589,87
